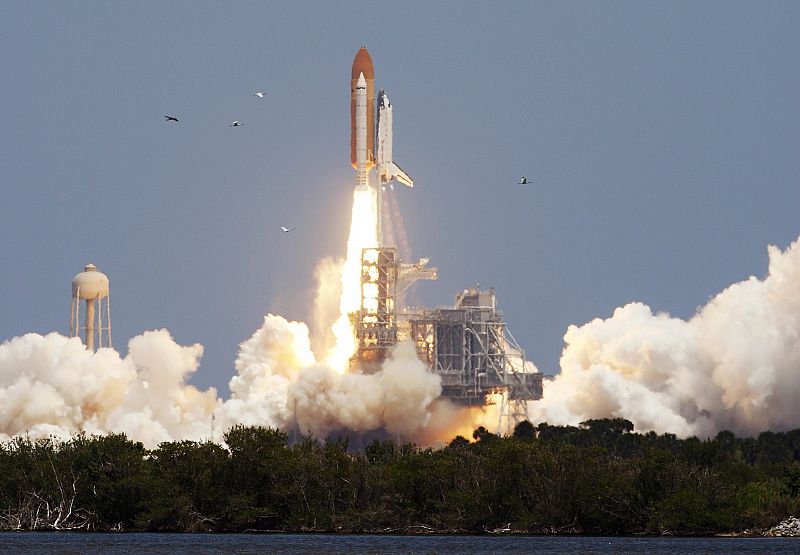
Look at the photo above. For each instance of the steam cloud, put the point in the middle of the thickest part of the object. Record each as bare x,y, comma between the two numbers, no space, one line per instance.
734,365
280,384
51,385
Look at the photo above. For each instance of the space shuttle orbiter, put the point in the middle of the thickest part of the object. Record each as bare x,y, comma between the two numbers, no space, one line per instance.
387,170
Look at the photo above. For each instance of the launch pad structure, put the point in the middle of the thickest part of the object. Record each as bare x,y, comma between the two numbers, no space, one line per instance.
468,346
376,321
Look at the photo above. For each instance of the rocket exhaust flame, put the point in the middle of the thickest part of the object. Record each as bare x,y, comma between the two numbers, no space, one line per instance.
363,227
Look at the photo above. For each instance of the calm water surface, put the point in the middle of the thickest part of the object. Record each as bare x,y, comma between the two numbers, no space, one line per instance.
195,544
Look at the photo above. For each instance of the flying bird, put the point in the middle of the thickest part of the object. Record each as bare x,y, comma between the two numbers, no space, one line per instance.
524,181
236,123
287,229
259,94
171,118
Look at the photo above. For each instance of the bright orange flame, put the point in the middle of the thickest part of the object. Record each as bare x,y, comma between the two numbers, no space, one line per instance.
448,421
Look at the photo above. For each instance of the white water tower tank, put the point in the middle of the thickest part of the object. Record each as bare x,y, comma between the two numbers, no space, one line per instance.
92,287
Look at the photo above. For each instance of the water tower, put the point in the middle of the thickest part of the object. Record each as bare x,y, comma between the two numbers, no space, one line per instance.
91,286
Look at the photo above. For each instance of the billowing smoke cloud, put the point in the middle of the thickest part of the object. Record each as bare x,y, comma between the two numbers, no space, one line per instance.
51,385
328,276
268,363
734,365
280,384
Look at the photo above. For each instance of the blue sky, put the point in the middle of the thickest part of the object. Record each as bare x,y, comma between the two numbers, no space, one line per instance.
664,140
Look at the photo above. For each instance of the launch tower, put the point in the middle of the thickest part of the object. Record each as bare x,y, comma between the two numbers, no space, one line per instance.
470,347
376,321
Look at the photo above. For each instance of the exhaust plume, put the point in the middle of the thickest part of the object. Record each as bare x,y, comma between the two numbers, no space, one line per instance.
363,234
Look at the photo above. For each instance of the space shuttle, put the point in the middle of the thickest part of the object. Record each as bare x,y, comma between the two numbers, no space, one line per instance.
368,128
387,170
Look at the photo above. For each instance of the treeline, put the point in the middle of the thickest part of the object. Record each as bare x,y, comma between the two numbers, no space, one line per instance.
599,478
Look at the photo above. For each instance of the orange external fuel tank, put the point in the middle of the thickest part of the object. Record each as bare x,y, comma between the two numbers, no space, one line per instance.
362,63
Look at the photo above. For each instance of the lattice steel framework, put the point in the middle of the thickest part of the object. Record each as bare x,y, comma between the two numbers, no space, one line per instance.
470,347
376,321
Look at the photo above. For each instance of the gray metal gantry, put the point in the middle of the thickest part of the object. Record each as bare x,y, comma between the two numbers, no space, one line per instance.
376,321
468,346
471,349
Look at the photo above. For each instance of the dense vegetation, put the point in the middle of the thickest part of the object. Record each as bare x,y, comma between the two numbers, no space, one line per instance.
599,478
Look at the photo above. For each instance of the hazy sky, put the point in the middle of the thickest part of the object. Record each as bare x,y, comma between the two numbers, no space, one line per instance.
663,137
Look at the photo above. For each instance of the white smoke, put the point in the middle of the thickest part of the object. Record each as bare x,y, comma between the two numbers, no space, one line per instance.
280,384
328,276
51,385
268,363
734,365
397,398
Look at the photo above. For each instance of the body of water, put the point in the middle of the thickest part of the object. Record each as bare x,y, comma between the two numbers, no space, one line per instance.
320,544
